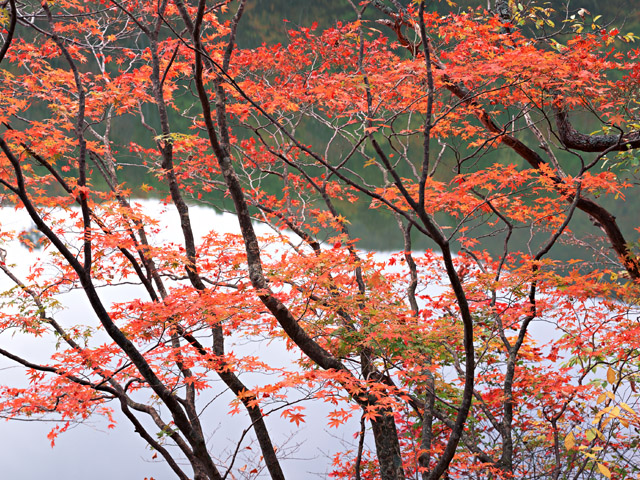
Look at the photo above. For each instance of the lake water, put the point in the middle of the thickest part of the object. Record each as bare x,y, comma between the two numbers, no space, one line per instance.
89,450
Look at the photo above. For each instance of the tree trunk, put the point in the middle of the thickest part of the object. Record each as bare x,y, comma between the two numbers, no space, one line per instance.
387,446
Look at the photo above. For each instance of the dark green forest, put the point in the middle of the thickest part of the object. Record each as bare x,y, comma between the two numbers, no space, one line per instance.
264,19
267,22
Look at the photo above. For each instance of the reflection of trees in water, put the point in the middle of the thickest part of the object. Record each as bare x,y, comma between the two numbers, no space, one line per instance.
263,23
264,18
32,238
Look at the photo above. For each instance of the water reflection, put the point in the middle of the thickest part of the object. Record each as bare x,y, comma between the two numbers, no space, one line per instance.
88,447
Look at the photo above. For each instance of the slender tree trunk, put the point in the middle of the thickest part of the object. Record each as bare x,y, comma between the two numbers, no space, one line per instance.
385,435
384,429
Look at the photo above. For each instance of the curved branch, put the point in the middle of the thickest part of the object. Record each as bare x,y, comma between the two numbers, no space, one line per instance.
573,139
605,219
11,31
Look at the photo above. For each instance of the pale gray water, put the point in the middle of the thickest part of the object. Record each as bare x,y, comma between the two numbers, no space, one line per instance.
90,450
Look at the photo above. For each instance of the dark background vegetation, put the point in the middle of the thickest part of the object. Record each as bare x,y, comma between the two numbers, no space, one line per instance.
264,23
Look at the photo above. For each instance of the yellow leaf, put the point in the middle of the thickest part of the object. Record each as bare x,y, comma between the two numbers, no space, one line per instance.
611,376
604,470
601,398
570,441
627,408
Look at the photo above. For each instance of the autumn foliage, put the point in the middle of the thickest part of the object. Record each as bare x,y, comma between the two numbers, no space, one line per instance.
485,355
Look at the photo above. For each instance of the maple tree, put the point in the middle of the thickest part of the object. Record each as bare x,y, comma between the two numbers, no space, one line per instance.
458,126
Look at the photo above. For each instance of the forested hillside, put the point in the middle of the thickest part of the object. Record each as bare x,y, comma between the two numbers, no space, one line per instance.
266,16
